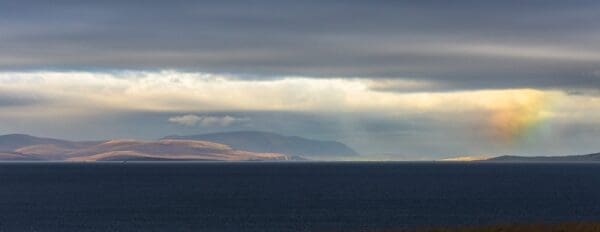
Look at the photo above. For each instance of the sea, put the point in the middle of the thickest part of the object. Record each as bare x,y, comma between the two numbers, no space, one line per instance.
292,196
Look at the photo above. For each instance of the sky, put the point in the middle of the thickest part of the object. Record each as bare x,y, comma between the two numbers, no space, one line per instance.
395,80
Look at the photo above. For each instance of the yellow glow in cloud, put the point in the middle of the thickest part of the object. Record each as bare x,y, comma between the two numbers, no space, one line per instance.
504,114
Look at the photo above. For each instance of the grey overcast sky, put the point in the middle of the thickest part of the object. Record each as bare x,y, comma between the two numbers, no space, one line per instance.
392,79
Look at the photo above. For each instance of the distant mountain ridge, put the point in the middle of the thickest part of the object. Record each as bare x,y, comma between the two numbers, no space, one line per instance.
258,141
19,147
11,142
571,158
13,156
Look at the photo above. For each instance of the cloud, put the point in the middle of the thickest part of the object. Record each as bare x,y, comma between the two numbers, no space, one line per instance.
412,77
187,120
182,91
511,44
209,121
8,99
175,91
402,85
372,115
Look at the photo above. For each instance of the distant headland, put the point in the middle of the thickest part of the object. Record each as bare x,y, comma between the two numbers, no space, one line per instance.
227,146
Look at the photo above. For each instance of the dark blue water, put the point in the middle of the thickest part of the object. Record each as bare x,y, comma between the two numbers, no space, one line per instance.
291,196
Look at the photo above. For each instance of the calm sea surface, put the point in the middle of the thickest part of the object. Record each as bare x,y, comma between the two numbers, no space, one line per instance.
290,196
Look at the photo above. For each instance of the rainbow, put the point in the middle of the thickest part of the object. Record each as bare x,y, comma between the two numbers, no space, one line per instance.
522,117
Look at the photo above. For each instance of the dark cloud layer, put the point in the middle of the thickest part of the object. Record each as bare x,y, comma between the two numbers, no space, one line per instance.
460,44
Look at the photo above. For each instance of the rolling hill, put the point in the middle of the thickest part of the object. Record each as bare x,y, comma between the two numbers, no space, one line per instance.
257,141
167,150
18,147
570,158
12,142
13,156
